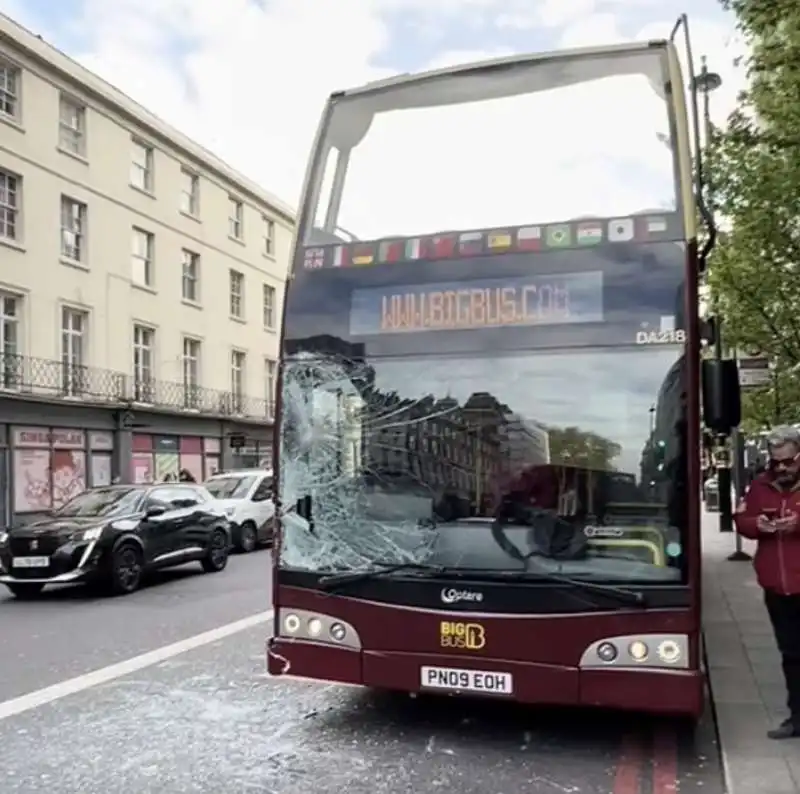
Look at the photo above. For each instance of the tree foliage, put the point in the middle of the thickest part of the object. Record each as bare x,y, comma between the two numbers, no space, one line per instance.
575,447
754,167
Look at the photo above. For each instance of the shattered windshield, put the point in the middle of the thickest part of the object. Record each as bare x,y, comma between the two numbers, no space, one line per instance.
424,458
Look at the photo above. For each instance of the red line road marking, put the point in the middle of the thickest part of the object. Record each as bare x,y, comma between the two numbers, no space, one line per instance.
665,761
628,777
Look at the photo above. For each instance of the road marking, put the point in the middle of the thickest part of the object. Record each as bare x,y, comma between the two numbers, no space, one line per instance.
665,761
627,779
41,697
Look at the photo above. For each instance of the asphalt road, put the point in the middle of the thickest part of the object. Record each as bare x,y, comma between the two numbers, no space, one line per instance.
68,632
210,721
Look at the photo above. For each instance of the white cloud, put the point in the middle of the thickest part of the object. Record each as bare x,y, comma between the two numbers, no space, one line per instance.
256,76
535,158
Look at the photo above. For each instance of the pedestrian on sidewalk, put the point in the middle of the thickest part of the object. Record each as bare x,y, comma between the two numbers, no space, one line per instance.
769,513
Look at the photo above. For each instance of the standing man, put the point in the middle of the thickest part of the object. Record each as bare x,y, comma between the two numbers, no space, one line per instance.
770,515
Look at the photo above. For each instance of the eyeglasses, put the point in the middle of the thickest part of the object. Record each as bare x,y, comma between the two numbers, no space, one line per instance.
783,463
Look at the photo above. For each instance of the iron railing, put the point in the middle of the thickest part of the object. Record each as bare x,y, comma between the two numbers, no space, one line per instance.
46,378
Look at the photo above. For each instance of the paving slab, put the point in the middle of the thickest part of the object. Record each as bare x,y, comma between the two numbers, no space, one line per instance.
744,672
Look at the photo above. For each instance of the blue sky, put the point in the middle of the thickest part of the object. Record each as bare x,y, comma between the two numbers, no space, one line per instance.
247,78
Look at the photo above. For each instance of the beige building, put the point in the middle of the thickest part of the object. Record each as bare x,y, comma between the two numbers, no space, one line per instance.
141,282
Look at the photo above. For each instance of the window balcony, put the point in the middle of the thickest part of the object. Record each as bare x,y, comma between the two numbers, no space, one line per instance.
55,381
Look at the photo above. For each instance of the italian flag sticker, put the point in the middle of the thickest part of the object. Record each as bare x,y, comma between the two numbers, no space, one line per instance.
413,249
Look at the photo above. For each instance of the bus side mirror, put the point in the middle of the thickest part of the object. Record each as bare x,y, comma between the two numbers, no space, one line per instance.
722,399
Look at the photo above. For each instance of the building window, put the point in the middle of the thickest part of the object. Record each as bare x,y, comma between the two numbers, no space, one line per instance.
235,218
269,236
71,126
190,192
142,166
190,288
73,229
190,361
10,373
238,364
143,353
269,307
142,258
237,294
10,206
270,385
10,80
74,327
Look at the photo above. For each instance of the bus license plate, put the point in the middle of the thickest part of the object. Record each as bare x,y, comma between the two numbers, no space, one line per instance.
30,562
454,679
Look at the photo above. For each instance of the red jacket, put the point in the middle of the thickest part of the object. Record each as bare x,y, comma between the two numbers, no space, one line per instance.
777,561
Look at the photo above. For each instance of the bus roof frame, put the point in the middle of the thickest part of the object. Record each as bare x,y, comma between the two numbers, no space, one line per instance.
466,69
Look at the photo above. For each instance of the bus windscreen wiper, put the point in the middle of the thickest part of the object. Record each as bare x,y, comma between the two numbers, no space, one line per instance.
381,569
622,593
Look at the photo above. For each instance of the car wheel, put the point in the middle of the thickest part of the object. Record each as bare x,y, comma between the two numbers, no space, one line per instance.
248,538
25,590
127,565
218,551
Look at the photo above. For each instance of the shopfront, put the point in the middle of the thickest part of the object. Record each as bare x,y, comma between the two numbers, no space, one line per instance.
257,455
50,465
49,452
160,458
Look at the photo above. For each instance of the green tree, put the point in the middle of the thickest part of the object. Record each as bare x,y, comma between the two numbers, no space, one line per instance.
575,447
754,165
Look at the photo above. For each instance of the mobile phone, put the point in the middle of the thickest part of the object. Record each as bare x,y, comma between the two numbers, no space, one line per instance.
770,512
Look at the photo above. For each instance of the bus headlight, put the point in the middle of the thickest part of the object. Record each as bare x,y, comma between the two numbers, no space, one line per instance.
314,627
638,651
317,627
646,652
669,651
291,624
607,652
338,631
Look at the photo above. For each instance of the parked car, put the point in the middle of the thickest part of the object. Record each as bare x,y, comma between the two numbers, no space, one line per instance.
245,497
113,536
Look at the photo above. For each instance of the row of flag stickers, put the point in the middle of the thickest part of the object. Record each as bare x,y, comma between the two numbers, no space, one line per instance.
447,246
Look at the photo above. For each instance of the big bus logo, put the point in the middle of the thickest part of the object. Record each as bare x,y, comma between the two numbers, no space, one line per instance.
467,636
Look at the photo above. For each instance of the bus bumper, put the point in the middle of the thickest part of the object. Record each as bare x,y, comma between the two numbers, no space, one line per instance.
667,691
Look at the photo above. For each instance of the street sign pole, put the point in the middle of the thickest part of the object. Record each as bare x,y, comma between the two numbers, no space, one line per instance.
737,445
754,371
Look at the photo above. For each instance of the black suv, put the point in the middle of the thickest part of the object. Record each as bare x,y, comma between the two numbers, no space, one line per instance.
112,536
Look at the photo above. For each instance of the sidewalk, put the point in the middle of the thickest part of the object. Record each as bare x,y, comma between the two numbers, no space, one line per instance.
745,672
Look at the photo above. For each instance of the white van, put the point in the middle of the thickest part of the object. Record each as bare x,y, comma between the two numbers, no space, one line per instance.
246,498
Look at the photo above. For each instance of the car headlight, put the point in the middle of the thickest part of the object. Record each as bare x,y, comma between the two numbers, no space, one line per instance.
89,534
3,538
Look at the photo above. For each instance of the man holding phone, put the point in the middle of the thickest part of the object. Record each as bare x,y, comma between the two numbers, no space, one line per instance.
769,513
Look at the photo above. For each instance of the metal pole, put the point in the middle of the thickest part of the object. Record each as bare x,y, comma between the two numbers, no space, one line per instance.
776,396
739,480
706,82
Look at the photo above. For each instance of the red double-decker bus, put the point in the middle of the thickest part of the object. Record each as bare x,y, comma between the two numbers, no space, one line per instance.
488,461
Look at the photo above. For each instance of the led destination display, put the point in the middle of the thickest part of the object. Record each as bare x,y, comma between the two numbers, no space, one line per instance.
556,299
